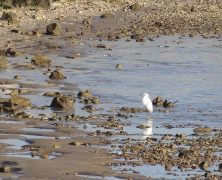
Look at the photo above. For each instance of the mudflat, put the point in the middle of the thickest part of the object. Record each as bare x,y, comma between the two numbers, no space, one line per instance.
45,113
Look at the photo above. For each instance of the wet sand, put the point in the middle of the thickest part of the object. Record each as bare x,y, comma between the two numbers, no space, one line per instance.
56,134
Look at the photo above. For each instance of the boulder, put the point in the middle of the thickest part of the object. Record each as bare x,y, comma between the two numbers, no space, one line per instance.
63,102
158,101
57,75
3,62
41,61
53,29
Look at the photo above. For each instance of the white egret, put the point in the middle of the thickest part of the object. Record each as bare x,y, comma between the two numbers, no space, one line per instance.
147,102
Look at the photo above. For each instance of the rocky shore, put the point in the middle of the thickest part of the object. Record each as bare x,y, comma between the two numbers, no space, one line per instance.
31,32
24,27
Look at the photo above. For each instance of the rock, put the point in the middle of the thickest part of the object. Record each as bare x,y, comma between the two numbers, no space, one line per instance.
20,101
87,23
53,29
204,165
202,130
173,146
17,77
88,108
63,102
107,15
119,66
77,143
158,101
3,62
5,169
101,46
41,61
57,75
92,100
12,52
181,136
168,104
53,94
57,146
14,103
134,7
143,126
44,156
10,17
74,56
220,167
85,94
168,167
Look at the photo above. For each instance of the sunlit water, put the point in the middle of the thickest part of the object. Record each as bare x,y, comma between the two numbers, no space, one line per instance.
185,69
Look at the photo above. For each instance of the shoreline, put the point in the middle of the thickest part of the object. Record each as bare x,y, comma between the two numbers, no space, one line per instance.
108,21
79,23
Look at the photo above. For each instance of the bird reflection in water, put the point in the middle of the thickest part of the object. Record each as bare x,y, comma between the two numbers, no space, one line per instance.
148,131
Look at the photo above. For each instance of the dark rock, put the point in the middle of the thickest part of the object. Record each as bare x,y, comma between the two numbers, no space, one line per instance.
63,102
168,104
57,75
220,167
77,143
3,62
41,61
53,29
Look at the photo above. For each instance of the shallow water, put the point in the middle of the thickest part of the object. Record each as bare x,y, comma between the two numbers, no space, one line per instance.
28,155
184,69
